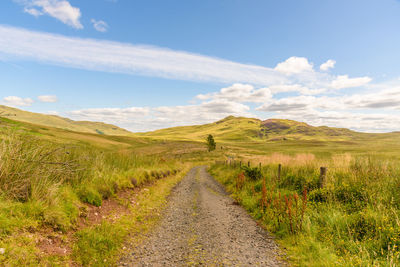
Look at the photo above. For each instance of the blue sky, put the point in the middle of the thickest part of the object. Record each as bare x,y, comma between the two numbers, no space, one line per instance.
151,64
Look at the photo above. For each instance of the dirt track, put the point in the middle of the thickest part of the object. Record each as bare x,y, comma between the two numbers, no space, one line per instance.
202,226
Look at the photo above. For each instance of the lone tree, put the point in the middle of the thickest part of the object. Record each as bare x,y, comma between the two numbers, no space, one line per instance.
211,143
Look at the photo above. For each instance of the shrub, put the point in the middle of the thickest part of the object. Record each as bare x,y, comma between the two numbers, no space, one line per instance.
319,195
252,173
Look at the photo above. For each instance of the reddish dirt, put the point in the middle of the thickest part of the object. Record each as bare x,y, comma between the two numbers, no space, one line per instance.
56,243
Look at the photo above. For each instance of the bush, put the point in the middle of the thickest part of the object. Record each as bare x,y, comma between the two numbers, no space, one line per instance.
298,182
319,195
252,173
352,196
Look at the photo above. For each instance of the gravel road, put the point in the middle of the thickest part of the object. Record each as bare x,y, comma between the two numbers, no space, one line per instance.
203,227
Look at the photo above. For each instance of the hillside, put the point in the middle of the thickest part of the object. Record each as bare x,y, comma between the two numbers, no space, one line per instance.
230,128
247,129
60,122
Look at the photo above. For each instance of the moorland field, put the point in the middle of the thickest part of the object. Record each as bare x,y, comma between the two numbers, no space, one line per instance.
77,192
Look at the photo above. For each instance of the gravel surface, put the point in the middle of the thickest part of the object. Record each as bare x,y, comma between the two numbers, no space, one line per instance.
203,227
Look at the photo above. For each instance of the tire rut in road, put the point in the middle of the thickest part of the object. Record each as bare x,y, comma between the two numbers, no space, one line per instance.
201,226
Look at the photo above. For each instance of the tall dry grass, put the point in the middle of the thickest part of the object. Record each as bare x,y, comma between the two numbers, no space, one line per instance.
352,221
30,169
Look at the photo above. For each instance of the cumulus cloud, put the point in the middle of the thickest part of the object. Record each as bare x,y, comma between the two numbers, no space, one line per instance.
99,25
145,119
288,104
239,93
330,64
385,99
284,88
58,9
110,115
372,112
48,98
16,101
343,81
294,65
365,122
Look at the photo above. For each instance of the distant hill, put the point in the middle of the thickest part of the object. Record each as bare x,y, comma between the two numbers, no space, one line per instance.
289,129
60,122
247,129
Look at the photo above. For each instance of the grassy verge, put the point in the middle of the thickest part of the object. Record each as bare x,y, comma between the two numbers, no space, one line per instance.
101,245
352,221
47,184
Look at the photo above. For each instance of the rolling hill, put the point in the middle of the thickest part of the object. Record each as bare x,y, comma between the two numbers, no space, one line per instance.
247,129
229,129
60,122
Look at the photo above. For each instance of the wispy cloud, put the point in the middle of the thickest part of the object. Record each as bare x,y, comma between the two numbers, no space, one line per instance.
109,56
61,10
111,115
131,59
16,101
99,25
48,98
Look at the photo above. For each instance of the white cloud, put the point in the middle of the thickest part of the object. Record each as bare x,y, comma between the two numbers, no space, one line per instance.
372,111
295,88
99,25
294,65
58,9
145,119
327,65
131,59
343,81
16,101
385,99
110,115
52,112
365,122
98,55
240,93
33,11
48,98
288,104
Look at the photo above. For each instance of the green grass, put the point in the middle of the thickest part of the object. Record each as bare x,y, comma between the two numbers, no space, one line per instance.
48,174
246,130
101,245
60,122
352,221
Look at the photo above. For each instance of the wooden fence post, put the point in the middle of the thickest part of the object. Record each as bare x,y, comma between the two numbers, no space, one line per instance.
248,164
279,171
240,164
259,165
322,177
